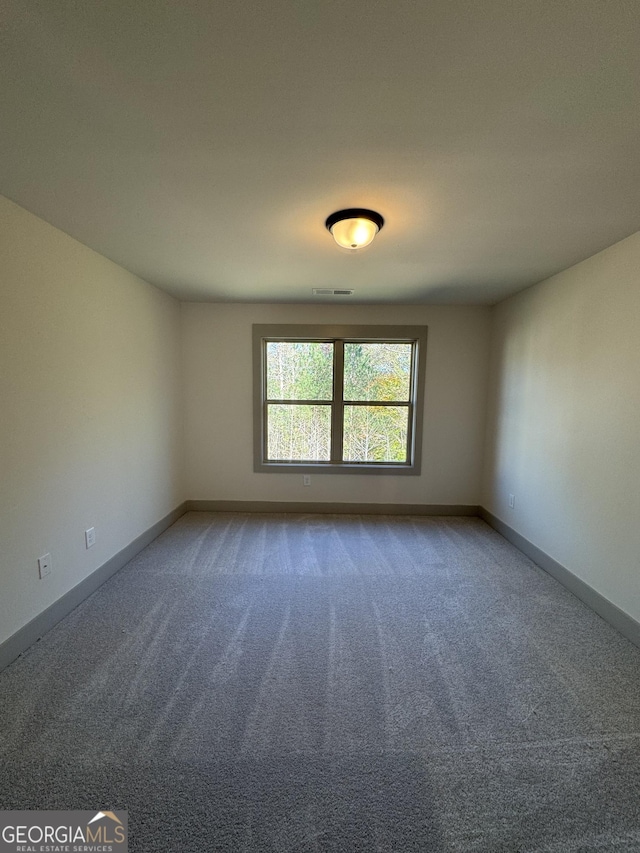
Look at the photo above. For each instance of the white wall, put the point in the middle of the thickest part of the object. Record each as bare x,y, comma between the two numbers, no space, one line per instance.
90,418
219,421
93,403
563,430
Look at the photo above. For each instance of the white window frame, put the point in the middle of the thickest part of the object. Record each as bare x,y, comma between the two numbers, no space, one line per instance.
416,335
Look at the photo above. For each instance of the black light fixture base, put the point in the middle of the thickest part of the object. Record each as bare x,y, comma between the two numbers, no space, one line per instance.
354,213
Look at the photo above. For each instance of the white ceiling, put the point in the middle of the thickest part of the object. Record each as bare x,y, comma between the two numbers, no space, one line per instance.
202,144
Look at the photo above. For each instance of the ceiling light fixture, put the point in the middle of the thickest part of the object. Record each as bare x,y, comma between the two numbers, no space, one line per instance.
354,228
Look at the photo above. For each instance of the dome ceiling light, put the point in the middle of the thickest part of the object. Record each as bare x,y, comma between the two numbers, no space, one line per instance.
355,227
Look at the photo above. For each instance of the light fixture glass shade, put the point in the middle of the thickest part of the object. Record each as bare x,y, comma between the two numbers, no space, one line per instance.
354,228
354,233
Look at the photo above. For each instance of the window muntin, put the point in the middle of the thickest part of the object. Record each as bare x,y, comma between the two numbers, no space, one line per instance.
338,399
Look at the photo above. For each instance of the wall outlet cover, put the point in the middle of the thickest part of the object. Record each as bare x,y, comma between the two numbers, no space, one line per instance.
44,565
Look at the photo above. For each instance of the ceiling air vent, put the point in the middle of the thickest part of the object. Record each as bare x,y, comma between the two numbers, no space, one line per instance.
327,291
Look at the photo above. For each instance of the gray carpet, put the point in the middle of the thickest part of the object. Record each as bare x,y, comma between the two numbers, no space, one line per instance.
331,683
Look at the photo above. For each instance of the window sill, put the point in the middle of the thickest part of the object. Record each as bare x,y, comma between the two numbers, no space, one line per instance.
380,468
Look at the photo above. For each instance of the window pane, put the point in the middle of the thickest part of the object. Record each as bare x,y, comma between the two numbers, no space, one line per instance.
377,371
299,370
375,433
298,433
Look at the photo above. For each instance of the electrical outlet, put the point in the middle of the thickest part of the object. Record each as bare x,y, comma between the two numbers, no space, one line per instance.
512,501
90,537
44,565
306,479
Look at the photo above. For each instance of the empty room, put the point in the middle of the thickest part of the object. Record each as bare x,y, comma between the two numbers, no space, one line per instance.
320,426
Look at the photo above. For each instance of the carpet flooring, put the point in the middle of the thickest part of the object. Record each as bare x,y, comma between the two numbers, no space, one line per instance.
304,683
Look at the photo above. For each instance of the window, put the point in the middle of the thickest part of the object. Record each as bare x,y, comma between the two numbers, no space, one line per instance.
343,399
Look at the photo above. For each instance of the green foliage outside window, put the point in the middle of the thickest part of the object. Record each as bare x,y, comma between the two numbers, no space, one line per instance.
299,370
